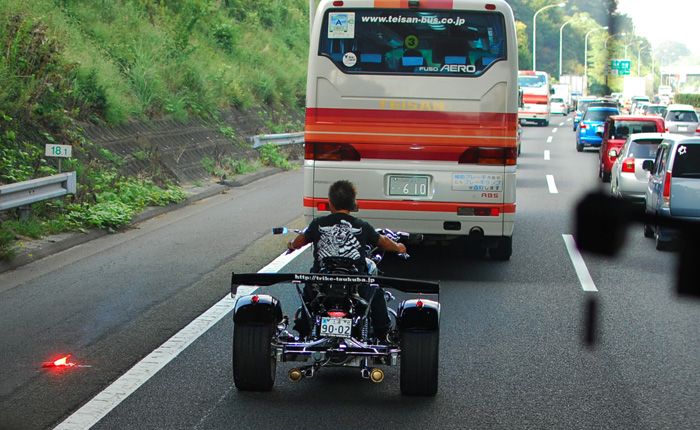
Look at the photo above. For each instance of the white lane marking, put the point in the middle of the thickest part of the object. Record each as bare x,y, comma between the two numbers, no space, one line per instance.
546,154
561,124
554,130
552,186
584,276
104,402
549,139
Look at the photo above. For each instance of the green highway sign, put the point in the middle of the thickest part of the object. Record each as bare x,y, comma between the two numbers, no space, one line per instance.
620,67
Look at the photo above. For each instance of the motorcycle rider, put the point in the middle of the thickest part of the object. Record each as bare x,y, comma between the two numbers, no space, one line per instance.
343,238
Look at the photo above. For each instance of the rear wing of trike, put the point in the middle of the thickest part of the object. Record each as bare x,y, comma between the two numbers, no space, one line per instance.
266,279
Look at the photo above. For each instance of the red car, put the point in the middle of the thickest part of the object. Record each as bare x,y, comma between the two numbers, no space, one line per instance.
615,132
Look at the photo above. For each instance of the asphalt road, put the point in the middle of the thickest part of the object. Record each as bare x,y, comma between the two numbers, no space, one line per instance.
511,356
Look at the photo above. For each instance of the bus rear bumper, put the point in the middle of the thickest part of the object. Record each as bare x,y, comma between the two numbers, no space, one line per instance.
434,226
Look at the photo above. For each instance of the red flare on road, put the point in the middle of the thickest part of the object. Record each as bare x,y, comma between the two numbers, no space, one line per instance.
61,362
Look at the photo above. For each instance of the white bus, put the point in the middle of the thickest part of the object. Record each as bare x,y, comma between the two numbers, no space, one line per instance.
416,103
537,90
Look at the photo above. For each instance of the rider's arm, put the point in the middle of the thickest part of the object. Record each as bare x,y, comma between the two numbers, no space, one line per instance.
298,242
389,245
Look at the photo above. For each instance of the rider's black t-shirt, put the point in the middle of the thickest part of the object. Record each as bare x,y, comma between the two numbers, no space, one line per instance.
341,235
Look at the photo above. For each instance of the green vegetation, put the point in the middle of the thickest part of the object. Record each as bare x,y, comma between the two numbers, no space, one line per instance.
619,35
66,62
687,99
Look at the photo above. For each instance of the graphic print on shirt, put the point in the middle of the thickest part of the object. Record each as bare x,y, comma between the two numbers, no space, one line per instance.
339,241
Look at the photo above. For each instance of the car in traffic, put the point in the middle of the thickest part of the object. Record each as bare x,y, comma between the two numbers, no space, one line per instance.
616,130
635,100
681,119
581,107
628,180
558,106
590,130
673,188
655,110
640,108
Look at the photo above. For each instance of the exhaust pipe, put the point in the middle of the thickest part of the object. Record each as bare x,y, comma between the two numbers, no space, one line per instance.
374,375
295,375
476,232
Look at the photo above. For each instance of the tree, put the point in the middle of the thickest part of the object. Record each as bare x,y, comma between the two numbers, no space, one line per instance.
524,54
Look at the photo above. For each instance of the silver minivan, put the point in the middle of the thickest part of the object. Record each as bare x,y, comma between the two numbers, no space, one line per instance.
681,119
673,189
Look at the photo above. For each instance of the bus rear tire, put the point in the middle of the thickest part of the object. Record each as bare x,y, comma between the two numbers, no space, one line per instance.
503,250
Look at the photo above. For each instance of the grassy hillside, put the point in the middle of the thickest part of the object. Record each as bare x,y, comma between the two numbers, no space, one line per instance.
66,62
115,60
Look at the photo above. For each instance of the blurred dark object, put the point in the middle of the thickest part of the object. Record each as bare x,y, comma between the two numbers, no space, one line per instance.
601,227
689,263
591,317
601,223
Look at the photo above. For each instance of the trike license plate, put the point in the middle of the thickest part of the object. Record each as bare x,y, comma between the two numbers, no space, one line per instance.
416,186
336,327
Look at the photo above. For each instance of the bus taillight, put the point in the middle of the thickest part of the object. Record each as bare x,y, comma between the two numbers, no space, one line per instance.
331,152
492,156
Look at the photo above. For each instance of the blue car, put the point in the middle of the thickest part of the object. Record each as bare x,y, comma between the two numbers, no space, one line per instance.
590,130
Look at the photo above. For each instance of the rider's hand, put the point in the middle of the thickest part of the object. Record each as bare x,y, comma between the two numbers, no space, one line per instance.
402,248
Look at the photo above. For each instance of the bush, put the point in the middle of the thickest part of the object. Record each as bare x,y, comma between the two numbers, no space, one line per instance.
687,99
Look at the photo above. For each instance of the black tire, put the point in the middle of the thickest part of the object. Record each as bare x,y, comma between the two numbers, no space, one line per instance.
419,363
474,251
661,245
254,364
504,249
606,176
579,147
648,230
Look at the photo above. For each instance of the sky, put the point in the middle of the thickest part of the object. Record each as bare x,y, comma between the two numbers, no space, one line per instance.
659,21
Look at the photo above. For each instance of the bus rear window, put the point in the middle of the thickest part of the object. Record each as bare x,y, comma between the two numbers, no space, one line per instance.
401,41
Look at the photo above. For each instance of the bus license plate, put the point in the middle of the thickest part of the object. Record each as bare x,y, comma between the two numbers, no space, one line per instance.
416,186
336,327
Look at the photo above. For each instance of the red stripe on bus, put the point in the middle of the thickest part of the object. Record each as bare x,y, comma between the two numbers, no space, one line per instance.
415,206
535,98
370,125
432,4
416,117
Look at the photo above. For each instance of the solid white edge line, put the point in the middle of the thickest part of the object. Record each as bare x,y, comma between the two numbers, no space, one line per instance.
546,154
108,399
552,186
584,276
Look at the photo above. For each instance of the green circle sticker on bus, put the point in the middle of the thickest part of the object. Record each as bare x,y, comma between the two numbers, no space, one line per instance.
411,42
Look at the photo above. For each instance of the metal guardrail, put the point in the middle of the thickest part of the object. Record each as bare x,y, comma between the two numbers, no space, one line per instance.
277,139
37,190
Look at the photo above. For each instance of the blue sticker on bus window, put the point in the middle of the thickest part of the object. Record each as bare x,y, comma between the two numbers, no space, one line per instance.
341,25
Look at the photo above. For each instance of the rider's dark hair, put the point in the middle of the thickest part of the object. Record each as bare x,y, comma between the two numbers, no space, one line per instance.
342,195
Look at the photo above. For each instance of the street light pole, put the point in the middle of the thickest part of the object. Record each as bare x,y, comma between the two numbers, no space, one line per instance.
534,33
653,76
606,51
611,36
585,56
561,38
639,62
